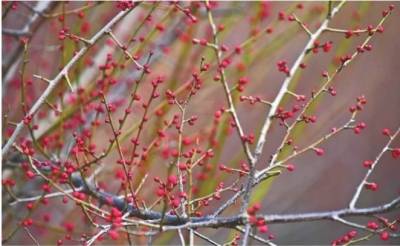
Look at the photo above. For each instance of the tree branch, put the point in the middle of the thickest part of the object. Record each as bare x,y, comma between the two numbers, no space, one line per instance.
54,82
369,172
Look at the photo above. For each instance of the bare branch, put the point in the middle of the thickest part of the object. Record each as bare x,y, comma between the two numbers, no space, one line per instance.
60,75
123,48
31,236
302,25
231,109
16,33
287,81
369,172
207,239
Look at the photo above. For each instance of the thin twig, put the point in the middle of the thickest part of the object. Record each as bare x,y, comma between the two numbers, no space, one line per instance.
207,239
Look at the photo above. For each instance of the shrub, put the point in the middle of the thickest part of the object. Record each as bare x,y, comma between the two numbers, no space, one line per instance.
197,123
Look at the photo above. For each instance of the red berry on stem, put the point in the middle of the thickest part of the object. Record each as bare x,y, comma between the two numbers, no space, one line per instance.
367,164
319,151
372,225
386,132
290,167
263,229
384,236
371,186
396,153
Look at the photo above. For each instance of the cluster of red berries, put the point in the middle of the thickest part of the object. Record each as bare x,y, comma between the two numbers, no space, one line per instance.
27,119
8,182
368,164
115,217
309,119
165,188
284,115
371,186
249,138
259,222
27,148
125,4
396,153
244,169
283,67
326,47
345,238
241,83
361,102
359,127
252,100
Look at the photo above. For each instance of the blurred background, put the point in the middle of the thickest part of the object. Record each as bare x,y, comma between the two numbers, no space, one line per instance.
318,184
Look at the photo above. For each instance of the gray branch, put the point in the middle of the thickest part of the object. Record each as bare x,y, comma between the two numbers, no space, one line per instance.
174,222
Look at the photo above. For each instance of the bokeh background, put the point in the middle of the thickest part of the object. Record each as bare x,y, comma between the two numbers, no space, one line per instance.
318,184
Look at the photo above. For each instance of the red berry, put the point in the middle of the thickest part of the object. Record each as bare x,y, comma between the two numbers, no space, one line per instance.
29,205
349,33
367,164
385,13
396,153
30,174
386,132
238,50
371,186
361,125
113,234
352,234
182,166
281,15
319,151
175,202
257,206
173,180
357,130
384,236
263,229
218,114
290,167
372,225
